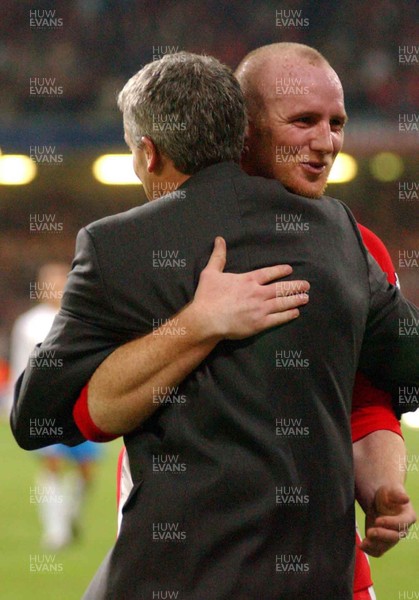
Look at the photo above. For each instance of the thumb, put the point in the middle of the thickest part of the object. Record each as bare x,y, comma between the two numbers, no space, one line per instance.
390,499
218,257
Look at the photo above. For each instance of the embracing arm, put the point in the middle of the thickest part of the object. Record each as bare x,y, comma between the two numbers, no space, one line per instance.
225,305
390,349
88,330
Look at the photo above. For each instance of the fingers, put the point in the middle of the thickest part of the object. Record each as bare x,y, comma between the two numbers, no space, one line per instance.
279,305
389,527
218,257
285,289
378,541
403,518
268,274
289,288
381,535
292,290
391,501
278,311
396,496
394,523
280,318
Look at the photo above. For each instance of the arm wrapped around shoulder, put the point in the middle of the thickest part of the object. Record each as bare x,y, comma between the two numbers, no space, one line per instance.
390,350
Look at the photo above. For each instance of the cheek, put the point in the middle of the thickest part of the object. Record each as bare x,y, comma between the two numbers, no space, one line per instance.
280,168
287,173
337,143
295,148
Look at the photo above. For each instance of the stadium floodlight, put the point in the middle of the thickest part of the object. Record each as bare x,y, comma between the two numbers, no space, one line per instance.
16,169
386,166
344,169
115,169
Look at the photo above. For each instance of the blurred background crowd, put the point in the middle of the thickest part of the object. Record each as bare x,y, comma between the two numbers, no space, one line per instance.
102,42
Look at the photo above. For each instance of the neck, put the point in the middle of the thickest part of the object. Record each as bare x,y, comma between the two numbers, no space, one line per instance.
167,183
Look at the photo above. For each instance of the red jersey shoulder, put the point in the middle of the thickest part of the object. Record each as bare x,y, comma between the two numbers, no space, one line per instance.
378,250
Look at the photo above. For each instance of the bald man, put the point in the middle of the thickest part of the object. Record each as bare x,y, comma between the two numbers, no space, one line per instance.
296,112
296,116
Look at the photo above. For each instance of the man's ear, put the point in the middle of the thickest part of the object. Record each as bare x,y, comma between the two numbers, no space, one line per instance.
151,154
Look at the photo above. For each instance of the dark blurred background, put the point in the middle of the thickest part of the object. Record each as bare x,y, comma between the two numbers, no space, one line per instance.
89,48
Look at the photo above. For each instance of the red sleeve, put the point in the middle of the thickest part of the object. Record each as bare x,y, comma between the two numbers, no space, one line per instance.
371,407
371,410
85,423
379,252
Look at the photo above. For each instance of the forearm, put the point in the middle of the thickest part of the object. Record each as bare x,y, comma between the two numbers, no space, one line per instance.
379,459
120,393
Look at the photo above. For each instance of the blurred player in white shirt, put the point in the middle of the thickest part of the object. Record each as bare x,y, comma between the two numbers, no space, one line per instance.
59,491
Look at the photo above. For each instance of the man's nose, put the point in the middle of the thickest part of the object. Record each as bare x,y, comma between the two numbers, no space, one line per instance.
321,140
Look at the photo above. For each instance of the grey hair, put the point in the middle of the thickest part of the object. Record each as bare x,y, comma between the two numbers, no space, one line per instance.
191,106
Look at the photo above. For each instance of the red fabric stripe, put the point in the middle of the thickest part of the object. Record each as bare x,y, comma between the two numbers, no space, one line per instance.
85,423
362,575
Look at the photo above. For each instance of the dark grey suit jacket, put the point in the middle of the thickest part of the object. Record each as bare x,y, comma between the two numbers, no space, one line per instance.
243,482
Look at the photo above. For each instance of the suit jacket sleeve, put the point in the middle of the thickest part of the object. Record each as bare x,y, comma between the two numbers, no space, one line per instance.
390,350
83,334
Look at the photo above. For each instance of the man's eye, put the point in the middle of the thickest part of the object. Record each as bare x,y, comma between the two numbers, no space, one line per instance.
303,120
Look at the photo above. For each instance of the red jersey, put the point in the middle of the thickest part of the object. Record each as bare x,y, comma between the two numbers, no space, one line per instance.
371,409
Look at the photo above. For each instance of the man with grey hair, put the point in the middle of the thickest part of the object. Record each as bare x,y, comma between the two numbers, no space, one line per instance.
177,125
229,498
